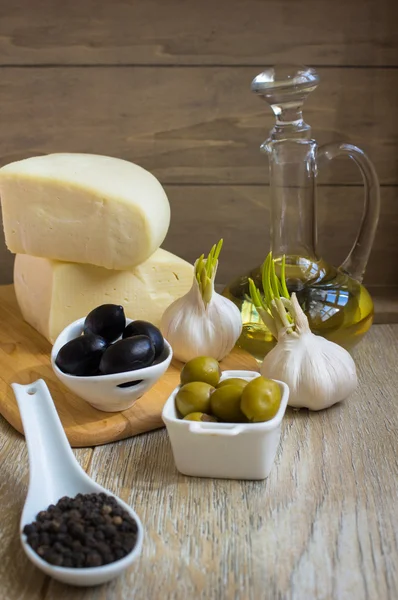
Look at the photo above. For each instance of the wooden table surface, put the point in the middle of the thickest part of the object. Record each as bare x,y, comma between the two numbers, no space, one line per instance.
323,526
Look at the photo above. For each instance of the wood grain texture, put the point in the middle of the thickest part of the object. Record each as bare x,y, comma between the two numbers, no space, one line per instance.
25,357
192,125
241,215
385,301
188,32
323,525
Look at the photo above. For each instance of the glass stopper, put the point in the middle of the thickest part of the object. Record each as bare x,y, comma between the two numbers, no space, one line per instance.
285,89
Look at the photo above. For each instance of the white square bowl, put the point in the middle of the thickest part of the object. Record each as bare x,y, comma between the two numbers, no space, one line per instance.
225,450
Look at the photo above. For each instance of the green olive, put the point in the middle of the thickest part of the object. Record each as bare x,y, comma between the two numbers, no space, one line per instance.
199,416
225,403
194,397
233,380
202,368
261,399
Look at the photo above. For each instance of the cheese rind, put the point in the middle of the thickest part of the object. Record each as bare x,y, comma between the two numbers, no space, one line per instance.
53,294
83,208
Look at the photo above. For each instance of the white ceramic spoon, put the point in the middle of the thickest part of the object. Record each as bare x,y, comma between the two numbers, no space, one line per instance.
54,473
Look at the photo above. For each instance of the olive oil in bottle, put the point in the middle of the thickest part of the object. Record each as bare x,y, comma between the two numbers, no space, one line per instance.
337,307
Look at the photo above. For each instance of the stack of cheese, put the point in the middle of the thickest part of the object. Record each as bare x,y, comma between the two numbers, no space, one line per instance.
87,230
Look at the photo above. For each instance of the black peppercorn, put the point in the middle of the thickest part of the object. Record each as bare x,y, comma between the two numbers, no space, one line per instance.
93,559
83,532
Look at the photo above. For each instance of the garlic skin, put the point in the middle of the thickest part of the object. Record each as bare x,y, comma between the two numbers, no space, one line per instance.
319,373
195,328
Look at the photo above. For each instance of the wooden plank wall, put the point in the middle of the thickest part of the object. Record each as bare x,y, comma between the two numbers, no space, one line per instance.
166,85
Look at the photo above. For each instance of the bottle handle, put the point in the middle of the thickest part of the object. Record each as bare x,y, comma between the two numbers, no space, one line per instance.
356,261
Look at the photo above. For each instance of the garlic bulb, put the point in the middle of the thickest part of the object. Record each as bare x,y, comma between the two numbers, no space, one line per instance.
319,373
202,323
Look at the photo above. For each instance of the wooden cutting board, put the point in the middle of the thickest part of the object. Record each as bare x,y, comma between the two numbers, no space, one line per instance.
25,357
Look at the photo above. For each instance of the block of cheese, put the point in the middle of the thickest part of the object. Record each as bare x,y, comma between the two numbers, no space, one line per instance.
83,208
52,294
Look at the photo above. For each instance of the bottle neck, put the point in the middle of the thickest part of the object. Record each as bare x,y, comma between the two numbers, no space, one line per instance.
289,124
292,165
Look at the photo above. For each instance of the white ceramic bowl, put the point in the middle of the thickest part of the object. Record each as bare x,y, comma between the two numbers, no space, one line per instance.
104,391
225,450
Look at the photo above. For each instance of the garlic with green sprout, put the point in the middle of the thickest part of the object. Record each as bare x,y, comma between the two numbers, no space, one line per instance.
202,323
318,372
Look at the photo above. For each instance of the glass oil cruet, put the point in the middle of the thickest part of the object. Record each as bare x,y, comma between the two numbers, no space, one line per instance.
336,303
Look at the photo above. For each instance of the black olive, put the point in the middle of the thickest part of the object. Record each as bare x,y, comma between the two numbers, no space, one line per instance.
107,320
146,328
129,354
82,355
